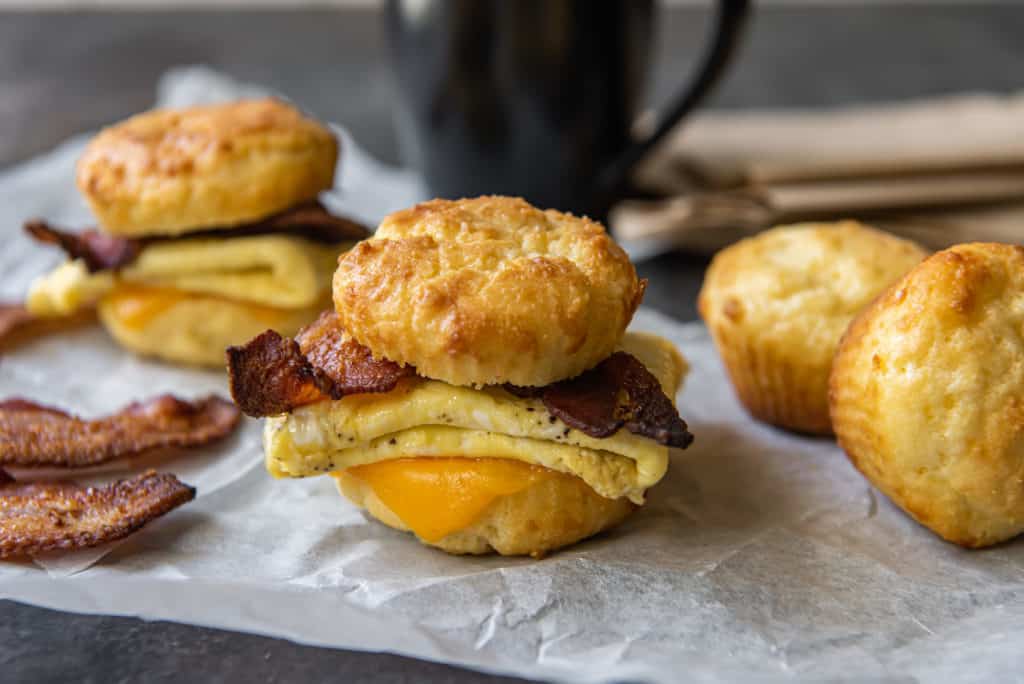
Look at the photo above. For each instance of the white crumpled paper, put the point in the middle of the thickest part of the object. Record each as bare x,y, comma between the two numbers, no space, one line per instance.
761,556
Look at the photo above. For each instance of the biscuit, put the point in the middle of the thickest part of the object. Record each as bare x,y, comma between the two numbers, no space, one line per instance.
778,303
927,393
554,512
190,328
488,290
172,171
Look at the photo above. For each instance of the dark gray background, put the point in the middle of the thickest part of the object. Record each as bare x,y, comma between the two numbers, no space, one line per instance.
63,73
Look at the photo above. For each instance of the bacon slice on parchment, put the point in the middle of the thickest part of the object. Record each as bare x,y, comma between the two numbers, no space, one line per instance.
13,319
273,374
100,251
64,516
17,325
33,435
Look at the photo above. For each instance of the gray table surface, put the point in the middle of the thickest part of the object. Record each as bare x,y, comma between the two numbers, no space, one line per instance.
64,73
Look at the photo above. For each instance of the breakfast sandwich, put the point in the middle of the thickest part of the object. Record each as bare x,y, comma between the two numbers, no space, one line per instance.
474,383
209,230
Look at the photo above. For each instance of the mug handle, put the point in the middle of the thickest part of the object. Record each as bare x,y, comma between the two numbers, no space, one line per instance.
730,18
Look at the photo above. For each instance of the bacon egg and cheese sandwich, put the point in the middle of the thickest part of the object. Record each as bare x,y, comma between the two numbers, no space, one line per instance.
209,229
475,384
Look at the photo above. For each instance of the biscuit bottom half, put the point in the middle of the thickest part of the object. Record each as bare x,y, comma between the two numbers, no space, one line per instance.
479,505
192,328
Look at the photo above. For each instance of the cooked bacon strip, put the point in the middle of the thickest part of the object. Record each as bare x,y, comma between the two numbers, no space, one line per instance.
101,251
98,250
17,325
13,318
33,435
272,374
618,392
312,221
348,364
64,516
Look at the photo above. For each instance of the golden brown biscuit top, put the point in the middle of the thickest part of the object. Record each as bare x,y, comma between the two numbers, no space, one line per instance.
488,290
262,155
171,142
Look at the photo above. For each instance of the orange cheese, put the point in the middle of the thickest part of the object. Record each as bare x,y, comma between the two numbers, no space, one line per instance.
135,306
434,497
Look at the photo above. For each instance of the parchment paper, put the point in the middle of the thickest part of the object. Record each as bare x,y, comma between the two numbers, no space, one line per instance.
761,557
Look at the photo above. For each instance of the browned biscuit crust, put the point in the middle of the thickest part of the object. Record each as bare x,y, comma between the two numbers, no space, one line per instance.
172,171
488,291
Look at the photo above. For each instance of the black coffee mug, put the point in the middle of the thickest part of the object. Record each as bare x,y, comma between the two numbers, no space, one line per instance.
534,97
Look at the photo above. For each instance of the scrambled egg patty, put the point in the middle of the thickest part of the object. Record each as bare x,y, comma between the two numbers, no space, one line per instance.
187,300
423,417
274,270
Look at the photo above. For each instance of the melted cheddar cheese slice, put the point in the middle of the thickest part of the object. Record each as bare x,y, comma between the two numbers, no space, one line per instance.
280,271
437,496
136,306
186,327
429,418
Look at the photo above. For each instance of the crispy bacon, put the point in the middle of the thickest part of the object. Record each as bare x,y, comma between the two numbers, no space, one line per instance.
100,251
348,364
33,435
311,221
13,318
64,516
17,325
97,250
618,392
272,374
